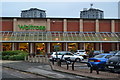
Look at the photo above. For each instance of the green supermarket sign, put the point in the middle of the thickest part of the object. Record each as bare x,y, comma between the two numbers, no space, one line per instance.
31,27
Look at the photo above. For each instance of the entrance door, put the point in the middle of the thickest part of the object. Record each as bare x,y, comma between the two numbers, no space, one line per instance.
89,46
72,47
40,48
56,47
24,47
7,46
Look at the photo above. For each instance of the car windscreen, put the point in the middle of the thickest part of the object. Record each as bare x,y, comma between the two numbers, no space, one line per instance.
81,51
68,54
118,53
112,52
96,51
98,56
108,56
60,53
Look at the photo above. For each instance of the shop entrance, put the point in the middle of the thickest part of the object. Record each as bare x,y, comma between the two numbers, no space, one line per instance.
24,47
56,47
7,46
40,48
89,47
72,47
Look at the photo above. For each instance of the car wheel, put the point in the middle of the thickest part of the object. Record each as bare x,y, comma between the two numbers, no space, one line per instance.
77,59
85,57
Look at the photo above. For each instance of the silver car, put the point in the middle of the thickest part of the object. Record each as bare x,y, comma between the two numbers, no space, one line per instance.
66,54
81,53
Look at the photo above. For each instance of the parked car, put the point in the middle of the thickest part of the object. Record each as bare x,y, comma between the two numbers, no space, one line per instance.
66,54
81,53
113,64
96,53
113,52
100,60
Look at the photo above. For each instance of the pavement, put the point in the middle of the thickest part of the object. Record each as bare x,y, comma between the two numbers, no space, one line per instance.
81,69
54,71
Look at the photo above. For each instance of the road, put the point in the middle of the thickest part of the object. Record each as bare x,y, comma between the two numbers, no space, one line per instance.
9,74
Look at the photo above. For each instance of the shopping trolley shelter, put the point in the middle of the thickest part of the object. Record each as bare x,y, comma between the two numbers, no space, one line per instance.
42,35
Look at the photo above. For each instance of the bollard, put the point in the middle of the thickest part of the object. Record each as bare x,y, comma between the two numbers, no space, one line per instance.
43,59
67,66
53,61
32,58
28,58
37,59
73,65
95,67
59,62
68,62
25,58
40,60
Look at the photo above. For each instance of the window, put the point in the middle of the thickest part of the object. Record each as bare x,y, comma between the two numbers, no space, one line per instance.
7,46
98,56
68,53
108,56
40,14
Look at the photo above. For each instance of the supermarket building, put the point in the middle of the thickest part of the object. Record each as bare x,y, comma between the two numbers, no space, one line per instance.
44,35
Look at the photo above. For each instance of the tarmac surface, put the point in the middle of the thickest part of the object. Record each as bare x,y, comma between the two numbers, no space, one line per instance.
41,69
81,71
11,73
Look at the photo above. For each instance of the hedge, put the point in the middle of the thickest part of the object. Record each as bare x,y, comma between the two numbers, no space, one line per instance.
14,55
4,53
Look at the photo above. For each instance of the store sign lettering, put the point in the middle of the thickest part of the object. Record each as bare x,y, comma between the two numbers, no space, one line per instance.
31,27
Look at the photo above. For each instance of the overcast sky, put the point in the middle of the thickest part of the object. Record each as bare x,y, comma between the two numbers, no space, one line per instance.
59,9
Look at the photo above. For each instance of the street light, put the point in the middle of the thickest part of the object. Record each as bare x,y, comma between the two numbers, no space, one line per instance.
56,39
105,39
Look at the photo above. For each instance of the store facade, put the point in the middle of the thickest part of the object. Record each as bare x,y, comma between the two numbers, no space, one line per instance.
45,35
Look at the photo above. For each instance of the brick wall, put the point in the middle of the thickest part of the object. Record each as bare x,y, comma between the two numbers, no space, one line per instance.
117,25
56,25
88,25
107,47
73,25
105,25
7,25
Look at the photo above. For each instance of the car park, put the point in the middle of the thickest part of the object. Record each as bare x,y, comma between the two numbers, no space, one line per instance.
113,64
81,53
100,60
65,54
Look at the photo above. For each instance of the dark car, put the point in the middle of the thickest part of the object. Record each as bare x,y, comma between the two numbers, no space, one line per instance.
113,63
100,60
